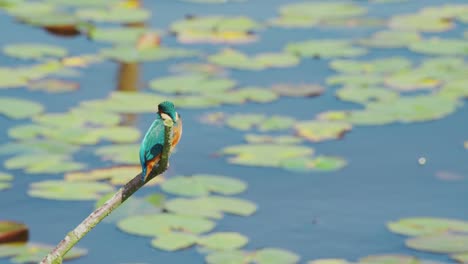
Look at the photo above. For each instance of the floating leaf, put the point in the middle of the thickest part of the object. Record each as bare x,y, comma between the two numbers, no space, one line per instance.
275,256
114,15
223,241
11,231
390,259
150,204
260,139
319,163
440,243
121,153
366,95
425,226
437,46
65,190
47,163
227,257
116,35
391,39
173,241
265,155
302,90
329,261
215,29
193,83
237,60
118,175
160,224
355,80
211,206
5,179
203,184
421,22
34,253
387,65
263,123
130,54
16,108
309,14
34,51
53,85
326,48
321,130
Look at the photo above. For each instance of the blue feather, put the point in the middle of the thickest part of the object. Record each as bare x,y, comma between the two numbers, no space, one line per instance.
152,143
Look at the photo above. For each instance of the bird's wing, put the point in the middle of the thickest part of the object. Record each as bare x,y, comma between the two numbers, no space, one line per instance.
153,142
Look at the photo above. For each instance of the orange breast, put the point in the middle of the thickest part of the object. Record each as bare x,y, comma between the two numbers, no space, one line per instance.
177,133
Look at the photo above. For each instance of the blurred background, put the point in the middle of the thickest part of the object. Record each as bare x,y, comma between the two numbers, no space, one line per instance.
314,131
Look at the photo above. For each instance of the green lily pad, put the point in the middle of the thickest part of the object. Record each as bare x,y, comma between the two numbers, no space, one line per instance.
249,93
151,204
223,241
202,185
114,15
261,139
437,46
275,256
237,60
326,48
11,78
445,68
425,226
37,147
421,22
440,243
211,206
85,3
228,257
408,80
215,29
173,241
27,8
48,163
11,232
328,261
126,53
263,123
192,84
116,35
380,66
16,108
390,259
53,19
265,155
307,14
118,175
53,85
462,258
302,90
125,102
319,163
366,95
391,39
34,253
316,131
355,80
33,51
121,153
65,190
160,224
5,179
275,123
455,89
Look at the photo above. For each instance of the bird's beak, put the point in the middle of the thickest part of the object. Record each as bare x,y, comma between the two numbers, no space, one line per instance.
175,117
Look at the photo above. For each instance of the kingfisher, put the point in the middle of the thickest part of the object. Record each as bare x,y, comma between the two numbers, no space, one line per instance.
152,144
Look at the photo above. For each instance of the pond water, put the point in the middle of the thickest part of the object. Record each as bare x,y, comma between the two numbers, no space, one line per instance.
315,214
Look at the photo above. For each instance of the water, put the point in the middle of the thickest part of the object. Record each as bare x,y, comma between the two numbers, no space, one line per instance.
317,215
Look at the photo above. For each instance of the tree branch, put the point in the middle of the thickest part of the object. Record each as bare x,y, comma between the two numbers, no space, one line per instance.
57,254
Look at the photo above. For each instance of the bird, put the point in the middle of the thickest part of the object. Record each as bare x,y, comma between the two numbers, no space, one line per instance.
153,142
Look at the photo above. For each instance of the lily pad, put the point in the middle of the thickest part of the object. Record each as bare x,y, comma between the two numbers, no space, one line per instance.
203,184
126,53
275,256
326,48
440,243
118,175
215,29
160,224
301,90
5,179
47,163
391,39
379,66
116,35
11,232
390,259
34,253
121,153
16,108
329,261
355,80
421,22
192,84
260,139
114,15
34,51
316,131
438,46
425,226
53,85
237,60
223,241
228,257
65,190
265,155
366,95
173,241
263,123
211,206
319,163
307,14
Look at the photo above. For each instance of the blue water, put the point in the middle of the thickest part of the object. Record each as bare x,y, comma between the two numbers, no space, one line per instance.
317,215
